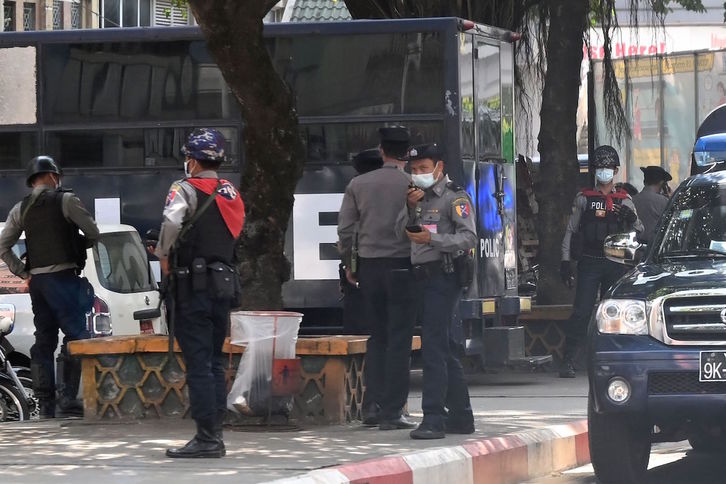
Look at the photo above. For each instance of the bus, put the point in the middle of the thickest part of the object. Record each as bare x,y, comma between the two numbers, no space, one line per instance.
114,106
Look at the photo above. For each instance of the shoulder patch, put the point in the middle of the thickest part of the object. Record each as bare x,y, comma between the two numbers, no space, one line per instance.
461,205
173,191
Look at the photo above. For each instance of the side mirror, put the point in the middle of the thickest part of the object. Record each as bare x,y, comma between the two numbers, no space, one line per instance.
624,249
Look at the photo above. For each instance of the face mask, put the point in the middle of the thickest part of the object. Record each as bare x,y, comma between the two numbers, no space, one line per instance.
424,180
604,175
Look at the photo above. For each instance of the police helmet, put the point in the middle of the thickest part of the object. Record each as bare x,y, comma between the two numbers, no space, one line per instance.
205,144
605,156
41,164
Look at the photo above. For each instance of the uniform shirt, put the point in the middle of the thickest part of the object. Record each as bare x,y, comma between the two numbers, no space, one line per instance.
372,201
181,203
73,211
448,215
573,224
650,205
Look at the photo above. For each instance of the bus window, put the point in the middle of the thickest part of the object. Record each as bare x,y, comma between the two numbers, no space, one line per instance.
488,100
16,149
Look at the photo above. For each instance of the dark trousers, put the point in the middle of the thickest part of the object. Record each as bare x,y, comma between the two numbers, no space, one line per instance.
200,328
444,385
56,306
594,275
387,286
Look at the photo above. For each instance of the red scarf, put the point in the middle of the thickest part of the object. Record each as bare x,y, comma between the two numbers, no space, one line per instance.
228,200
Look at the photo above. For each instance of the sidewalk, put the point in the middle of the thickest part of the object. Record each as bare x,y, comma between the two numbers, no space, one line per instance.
133,452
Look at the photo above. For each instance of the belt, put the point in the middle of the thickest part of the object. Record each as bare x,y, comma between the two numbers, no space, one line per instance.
427,269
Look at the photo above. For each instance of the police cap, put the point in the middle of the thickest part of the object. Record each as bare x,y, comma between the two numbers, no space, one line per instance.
655,174
205,144
605,156
367,160
38,165
427,151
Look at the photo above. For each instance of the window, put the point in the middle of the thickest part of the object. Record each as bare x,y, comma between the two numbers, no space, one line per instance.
16,149
167,15
121,263
9,16
488,100
127,148
57,15
695,222
28,16
125,13
76,15
134,81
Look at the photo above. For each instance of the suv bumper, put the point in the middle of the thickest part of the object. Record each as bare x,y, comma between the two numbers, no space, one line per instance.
663,379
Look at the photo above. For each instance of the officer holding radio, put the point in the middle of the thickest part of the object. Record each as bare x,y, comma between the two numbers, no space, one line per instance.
596,213
203,218
439,221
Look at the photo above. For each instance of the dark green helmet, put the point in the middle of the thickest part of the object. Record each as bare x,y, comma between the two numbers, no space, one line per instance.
605,156
41,164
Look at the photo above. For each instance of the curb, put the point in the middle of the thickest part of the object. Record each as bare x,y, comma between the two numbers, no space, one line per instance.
508,458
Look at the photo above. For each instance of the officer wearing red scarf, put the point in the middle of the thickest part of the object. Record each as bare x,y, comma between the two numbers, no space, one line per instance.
201,315
596,213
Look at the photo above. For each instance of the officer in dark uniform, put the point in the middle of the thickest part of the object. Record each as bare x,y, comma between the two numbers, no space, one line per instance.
197,244
355,316
596,213
439,220
56,253
371,204
652,201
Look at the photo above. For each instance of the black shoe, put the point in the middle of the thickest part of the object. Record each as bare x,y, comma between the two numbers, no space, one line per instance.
70,407
427,432
370,415
204,445
459,427
46,409
399,423
567,370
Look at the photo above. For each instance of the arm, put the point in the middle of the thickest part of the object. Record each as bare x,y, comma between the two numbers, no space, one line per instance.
10,234
74,211
347,220
463,219
637,225
175,211
573,224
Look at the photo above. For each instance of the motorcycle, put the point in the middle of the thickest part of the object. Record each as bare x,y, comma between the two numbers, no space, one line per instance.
16,402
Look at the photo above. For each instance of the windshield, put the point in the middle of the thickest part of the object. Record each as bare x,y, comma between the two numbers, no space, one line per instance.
695,225
121,263
704,158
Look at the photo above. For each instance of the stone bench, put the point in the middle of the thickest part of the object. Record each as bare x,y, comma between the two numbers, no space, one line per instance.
132,377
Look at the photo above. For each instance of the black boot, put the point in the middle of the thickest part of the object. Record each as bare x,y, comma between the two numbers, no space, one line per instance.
43,389
204,444
68,403
219,425
567,369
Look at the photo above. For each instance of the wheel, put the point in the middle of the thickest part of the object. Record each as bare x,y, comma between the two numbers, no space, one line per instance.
12,404
27,382
619,447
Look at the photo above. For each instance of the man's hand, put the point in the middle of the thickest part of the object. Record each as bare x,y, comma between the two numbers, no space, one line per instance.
566,273
423,237
350,277
164,264
625,214
414,196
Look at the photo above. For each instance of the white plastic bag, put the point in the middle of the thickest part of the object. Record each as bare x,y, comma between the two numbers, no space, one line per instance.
260,332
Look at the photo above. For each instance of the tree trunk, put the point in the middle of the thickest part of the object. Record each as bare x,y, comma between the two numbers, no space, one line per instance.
274,153
556,184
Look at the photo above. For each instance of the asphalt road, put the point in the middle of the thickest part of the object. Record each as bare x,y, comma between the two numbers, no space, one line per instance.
672,463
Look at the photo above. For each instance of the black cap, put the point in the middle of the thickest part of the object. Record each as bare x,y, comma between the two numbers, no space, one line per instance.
38,165
655,174
605,156
421,152
395,134
367,160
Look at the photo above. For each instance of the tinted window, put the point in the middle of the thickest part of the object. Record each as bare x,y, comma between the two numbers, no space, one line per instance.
696,220
121,263
362,74
133,81
466,82
127,147
16,149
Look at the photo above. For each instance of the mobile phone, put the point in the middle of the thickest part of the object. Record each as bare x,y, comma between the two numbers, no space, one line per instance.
414,228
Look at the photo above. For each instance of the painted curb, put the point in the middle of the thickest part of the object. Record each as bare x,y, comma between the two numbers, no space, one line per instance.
503,459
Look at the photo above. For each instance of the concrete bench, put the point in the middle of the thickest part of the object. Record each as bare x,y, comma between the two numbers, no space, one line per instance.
132,377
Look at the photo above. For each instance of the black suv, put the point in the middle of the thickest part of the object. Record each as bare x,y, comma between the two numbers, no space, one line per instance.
657,341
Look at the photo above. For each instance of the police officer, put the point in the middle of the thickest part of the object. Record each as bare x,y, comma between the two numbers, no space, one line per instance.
56,253
652,201
355,316
371,203
596,213
196,243
439,221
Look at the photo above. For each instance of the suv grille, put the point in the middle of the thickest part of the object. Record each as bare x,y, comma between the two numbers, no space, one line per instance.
695,318
681,382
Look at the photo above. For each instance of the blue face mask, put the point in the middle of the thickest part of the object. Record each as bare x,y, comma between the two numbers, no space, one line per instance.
604,175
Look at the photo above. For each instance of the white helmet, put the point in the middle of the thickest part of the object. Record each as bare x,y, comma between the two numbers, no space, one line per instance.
6,325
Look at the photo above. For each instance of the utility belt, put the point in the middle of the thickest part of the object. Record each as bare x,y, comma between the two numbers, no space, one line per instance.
427,270
218,280
460,264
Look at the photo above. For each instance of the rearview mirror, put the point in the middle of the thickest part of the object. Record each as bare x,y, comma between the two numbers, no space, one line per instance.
624,249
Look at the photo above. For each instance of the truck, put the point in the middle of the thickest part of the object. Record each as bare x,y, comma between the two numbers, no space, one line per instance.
114,106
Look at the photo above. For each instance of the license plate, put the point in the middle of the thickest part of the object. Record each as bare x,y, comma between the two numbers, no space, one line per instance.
712,366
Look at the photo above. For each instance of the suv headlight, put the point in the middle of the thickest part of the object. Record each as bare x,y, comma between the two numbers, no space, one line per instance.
622,316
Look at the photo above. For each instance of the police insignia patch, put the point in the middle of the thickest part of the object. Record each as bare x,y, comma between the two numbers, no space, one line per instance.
170,197
462,207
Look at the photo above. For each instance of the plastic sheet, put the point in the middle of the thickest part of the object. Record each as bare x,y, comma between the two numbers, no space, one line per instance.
267,336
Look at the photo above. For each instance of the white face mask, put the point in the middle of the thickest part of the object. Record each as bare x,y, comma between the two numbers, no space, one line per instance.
424,180
604,175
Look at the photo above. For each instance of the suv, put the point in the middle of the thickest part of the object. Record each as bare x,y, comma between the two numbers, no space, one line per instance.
657,341
126,301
